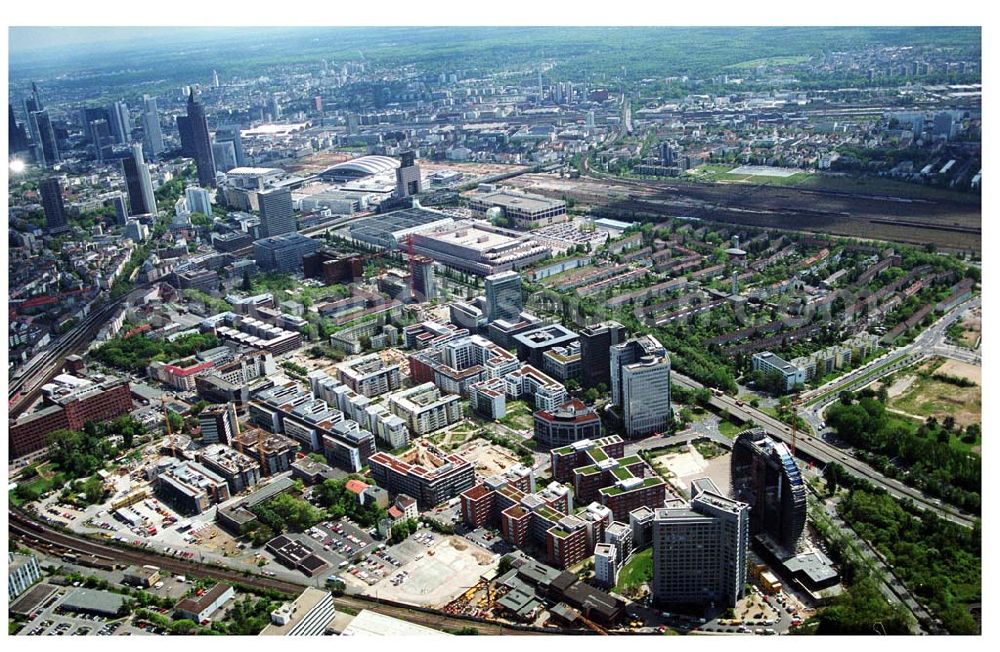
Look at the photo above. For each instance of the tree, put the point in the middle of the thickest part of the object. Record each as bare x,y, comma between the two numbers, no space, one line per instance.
183,626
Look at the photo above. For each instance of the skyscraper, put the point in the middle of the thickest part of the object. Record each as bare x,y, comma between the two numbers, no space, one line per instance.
273,108
423,278
17,136
138,183
52,204
231,133
640,385
503,296
225,155
151,133
408,176
595,352
121,210
36,97
666,153
198,199
276,215
186,135
215,78
100,135
764,475
29,108
47,137
201,141
121,122
700,551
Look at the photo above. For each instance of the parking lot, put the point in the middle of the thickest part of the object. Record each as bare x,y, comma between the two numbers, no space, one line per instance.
488,539
49,619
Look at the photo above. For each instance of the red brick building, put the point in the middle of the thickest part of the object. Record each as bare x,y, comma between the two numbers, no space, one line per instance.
97,402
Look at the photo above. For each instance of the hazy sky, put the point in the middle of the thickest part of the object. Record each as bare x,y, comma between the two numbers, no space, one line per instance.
26,39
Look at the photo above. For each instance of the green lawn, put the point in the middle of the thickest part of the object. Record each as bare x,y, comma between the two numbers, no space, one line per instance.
519,416
639,569
771,61
729,429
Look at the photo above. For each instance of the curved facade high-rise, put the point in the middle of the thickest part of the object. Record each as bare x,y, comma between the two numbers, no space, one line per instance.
765,475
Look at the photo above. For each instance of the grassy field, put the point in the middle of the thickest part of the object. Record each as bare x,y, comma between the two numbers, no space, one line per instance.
729,429
519,416
928,396
638,570
827,182
46,480
771,61
722,173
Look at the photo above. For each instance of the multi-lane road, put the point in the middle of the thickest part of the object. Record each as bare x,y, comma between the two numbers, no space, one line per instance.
817,449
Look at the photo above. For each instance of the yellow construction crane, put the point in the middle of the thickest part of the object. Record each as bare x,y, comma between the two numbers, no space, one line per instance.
166,416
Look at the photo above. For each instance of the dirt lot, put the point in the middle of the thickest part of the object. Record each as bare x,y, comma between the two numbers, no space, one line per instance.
972,328
691,465
211,538
962,370
489,459
927,396
436,579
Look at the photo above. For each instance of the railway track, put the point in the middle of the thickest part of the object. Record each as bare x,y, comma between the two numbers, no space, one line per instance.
22,527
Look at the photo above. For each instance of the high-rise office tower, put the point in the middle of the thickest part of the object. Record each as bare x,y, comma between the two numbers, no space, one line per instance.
640,385
100,135
352,123
36,97
225,155
408,176
215,78
666,153
219,424
595,352
700,551
201,141
765,475
121,122
198,199
138,183
17,136
151,133
52,204
273,108
276,215
29,108
47,137
503,296
121,209
231,133
186,135
423,278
